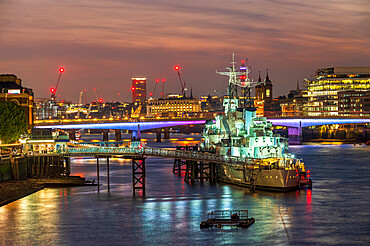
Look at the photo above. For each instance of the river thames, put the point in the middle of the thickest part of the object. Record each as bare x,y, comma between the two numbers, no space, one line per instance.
335,212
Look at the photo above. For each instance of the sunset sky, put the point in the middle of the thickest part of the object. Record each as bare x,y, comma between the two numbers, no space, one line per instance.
103,44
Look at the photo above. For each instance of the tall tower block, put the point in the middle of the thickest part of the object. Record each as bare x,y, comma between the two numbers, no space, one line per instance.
138,89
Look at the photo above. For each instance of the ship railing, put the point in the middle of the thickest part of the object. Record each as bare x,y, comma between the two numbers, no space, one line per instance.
226,214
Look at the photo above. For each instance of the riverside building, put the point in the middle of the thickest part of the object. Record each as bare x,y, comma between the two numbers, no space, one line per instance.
328,83
11,90
173,107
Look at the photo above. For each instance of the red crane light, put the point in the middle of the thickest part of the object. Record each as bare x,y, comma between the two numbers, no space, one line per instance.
132,88
243,61
61,70
52,90
101,100
177,68
157,80
150,94
163,80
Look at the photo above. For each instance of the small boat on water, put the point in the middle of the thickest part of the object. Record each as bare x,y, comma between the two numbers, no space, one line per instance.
233,218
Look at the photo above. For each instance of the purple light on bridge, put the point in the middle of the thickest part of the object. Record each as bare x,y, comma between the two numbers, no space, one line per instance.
133,126
315,122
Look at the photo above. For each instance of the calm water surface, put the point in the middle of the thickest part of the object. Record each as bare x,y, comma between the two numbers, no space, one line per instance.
335,212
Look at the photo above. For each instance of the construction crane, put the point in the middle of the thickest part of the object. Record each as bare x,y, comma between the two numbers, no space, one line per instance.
183,84
79,104
98,100
53,90
155,88
162,94
88,111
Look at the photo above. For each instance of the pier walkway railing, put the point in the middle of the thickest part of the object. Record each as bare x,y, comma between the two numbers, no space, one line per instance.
130,152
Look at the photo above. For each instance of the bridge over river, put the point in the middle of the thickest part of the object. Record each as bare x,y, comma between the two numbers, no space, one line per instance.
294,125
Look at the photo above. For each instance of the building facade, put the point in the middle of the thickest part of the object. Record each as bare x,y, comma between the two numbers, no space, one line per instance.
354,103
11,90
264,102
138,89
181,107
293,104
323,89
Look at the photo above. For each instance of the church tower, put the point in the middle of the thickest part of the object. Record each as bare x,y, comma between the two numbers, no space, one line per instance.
259,88
267,89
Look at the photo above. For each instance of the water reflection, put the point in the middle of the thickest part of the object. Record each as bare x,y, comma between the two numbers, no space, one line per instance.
173,209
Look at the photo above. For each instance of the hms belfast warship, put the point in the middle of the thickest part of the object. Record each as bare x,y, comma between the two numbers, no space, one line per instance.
239,132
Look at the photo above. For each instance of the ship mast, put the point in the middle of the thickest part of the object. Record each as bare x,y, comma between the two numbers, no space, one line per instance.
239,79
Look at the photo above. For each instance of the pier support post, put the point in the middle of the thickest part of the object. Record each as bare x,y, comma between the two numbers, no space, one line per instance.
178,166
212,172
68,166
97,171
138,175
108,174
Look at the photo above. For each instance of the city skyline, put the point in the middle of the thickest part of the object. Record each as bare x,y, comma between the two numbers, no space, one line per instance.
103,45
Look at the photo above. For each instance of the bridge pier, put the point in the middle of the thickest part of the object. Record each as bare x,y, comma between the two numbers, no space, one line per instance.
136,134
105,135
159,136
138,175
166,133
295,135
72,135
187,129
117,135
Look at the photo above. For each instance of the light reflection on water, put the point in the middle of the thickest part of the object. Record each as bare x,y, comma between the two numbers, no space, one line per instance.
335,212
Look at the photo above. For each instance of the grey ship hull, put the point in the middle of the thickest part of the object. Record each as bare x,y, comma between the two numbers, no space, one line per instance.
277,179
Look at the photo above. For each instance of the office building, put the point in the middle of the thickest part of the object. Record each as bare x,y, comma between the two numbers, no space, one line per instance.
173,107
11,90
323,88
354,103
138,89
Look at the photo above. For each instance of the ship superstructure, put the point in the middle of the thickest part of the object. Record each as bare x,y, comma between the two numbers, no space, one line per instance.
238,132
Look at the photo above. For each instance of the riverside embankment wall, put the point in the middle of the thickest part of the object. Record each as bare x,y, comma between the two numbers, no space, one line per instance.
22,167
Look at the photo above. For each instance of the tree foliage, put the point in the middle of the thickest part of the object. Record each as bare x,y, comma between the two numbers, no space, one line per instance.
12,122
